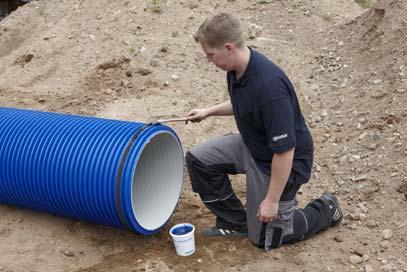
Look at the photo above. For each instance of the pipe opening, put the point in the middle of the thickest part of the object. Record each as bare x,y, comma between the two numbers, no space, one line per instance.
157,181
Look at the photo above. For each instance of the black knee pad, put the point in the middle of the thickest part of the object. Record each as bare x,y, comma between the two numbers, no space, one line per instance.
274,236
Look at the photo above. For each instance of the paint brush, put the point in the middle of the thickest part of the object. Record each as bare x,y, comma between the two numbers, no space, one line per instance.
183,119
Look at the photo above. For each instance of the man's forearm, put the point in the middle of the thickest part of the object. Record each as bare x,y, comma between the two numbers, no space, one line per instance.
280,172
223,109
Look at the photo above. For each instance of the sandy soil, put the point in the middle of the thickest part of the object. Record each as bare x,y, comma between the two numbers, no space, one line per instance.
117,59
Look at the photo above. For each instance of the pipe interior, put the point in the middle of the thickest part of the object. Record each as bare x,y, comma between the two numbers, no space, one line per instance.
157,181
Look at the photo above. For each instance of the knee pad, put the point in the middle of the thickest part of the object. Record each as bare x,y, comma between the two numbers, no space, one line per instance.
274,236
282,226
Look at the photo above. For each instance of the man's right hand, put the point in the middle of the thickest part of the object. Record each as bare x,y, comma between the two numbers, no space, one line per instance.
197,115
223,109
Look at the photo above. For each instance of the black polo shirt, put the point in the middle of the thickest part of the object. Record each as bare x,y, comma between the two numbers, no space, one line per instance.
268,116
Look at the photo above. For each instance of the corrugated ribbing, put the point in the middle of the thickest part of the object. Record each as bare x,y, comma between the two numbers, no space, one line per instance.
65,164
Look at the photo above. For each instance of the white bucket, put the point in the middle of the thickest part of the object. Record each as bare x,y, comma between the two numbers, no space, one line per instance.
183,236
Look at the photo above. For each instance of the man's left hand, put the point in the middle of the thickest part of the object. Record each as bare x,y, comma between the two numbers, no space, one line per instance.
268,211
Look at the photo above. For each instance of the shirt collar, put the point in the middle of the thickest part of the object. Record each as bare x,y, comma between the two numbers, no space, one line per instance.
249,68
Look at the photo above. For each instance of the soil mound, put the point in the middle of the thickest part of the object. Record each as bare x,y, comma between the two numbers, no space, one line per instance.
379,35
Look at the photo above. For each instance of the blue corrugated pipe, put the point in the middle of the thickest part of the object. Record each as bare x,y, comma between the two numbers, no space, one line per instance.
122,174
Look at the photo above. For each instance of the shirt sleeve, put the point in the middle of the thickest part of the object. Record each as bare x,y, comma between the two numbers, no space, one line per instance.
278,118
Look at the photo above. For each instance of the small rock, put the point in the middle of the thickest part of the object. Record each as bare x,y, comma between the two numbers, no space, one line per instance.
175,77
232,248
401,225
315,118
402,188
359,126
343,159
298,261
352,216
386,267
377,81
68,253
277,256
24,59
154,63
199,260
115,63
355,259
387,234
362,120
362,216
363,208
369,268
373,146
354,226
254,31
166,83
365,258
192,5
338,239
144,71
108,91
125,83
362,136
360,178
358,252
128,74
384,245
356,157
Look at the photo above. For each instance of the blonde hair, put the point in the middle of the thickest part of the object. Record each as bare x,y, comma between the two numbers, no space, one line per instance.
219,29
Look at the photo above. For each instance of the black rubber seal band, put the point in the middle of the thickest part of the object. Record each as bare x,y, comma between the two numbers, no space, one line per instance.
123,159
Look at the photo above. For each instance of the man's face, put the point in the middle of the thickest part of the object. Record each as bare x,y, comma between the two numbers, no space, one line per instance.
221,57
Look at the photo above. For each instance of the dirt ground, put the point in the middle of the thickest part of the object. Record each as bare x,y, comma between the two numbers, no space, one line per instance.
118,59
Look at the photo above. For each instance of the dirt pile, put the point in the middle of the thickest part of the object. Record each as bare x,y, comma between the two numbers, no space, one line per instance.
360,126
374,47
380,32
378,39
374,56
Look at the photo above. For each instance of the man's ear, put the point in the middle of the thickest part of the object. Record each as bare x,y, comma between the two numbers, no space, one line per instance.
229,46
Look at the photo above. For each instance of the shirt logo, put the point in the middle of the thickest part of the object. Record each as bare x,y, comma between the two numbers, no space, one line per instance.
276,138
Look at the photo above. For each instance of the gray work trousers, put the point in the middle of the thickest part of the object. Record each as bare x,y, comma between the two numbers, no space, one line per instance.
210,163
